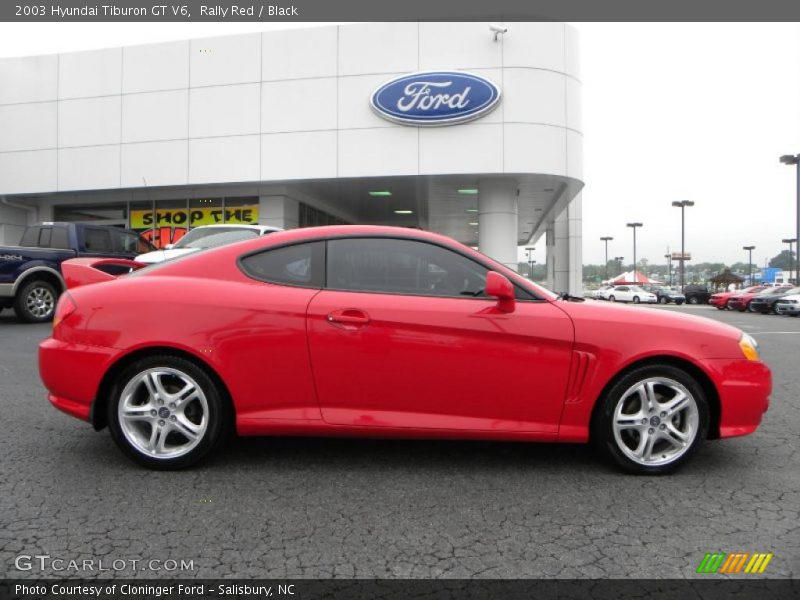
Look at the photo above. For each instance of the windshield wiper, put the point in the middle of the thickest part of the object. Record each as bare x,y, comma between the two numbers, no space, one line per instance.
567,297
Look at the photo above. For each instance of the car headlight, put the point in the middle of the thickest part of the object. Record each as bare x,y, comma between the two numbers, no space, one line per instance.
749,347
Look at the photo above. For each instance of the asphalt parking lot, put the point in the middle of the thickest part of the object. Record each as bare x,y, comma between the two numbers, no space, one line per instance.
393,509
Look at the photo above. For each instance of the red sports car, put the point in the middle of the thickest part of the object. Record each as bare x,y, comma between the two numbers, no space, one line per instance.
378,331
722,299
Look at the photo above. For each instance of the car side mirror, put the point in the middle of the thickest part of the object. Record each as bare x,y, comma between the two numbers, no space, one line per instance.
169,246
498,286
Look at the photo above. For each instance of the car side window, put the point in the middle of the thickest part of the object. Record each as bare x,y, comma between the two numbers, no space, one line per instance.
97,240
60,238
44,237
402,267
30,239
298,264
124,242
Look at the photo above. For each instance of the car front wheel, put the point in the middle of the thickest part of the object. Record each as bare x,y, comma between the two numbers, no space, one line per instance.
166,413
652,420
612,299
692,300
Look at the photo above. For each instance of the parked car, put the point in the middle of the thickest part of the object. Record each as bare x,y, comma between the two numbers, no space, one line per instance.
665,295
721,299
788,305
30,274
603,292
204,237
765,301
696,294
741,301
631,293
387,332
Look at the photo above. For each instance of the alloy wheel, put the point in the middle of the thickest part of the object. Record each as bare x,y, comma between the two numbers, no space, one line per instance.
163,413
655,421
40,302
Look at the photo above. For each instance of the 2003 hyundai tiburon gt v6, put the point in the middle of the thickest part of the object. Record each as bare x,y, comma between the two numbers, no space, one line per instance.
377,331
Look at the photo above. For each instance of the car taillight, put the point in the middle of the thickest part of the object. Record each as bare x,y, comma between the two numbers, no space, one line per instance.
66,306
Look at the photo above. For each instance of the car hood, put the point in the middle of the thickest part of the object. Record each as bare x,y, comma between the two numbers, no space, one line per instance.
613,319
162,255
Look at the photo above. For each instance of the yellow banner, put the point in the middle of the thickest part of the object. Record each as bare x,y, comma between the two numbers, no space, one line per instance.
194,217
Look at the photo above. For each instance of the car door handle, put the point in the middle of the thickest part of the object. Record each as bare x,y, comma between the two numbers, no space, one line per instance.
348,318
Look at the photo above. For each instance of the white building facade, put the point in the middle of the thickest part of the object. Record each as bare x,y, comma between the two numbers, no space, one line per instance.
277,128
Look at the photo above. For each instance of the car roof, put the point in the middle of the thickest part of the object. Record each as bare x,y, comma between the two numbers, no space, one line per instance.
261,228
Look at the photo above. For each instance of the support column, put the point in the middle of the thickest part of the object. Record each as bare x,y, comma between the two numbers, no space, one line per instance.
567,254
279,211
497,220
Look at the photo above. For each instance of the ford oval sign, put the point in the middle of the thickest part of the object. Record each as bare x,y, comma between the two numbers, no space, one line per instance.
435,98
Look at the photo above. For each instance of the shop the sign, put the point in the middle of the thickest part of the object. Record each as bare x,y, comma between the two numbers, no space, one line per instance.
193,217
435,98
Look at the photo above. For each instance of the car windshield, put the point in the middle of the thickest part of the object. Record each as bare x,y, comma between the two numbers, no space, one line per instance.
211,237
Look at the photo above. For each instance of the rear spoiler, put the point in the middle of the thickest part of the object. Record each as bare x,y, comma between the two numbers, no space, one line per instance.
85,271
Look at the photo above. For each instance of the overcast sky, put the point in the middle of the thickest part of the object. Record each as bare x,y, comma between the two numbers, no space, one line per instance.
672,111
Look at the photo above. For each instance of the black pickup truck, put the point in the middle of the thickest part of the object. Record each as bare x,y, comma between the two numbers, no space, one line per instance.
30,274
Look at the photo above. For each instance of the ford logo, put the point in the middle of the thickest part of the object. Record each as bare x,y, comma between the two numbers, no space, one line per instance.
435,98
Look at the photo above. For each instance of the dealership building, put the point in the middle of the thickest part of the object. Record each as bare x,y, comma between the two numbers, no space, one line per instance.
457,128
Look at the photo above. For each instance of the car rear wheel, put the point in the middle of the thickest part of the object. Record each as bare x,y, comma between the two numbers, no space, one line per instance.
36,301
636,299
663,300
692,300
166,412
652,420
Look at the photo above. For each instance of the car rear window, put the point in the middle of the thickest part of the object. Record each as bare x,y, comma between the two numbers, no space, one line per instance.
300,264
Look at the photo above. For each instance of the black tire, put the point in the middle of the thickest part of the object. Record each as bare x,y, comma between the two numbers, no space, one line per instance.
602,432
663,300
693,300
35,302
611,298
219,417
636,299
679,302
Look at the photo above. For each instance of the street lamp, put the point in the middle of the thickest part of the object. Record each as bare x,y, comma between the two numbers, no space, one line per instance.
682,204
749,263
529,251
606,239
634,226
788,159
669,267
791,241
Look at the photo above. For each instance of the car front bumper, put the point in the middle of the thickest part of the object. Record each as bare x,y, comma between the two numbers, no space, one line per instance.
744,387
787,309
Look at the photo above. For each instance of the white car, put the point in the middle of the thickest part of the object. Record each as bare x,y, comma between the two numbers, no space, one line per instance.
603,292
206,236
788,305
631,293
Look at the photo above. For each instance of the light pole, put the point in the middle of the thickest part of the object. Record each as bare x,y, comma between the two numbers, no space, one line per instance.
634,226
788,159
619,260
530,250
606,239
682,204
791,241
669,267
749,263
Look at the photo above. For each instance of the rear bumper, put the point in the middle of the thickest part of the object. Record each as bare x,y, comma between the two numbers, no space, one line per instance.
717,301
744,387
72,374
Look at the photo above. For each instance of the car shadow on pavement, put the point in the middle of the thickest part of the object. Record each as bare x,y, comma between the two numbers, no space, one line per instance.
433,455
